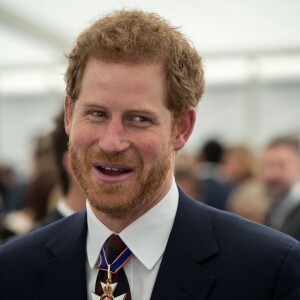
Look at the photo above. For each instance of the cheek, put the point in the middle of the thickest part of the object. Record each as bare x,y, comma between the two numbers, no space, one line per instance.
151,149
82,137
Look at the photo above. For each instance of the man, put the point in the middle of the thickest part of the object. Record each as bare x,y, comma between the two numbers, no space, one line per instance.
281,177
133,83
211,185
72,199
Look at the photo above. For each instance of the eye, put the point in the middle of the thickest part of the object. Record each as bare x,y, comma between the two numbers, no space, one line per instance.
99,114
140,119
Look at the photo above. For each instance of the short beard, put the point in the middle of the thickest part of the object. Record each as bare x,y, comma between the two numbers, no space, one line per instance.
129,196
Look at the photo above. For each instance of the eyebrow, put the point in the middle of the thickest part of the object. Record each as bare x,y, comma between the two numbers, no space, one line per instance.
91,103
140,109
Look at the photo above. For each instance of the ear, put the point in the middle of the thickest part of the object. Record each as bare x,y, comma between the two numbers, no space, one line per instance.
67,115
183,128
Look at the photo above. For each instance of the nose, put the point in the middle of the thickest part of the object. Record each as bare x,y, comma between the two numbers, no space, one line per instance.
114,137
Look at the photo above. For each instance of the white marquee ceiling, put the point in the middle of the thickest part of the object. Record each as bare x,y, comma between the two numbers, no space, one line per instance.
39,31
35,34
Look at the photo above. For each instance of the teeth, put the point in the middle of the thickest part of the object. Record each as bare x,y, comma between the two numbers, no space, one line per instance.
112,169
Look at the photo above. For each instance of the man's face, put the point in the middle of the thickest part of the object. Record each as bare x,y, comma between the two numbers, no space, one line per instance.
121,142
280,170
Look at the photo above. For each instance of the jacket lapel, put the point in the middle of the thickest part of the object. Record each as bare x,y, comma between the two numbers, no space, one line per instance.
64,266
191,242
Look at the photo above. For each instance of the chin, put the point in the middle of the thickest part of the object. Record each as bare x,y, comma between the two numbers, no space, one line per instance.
116,207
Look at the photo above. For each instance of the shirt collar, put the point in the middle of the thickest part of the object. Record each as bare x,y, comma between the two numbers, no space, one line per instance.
146,237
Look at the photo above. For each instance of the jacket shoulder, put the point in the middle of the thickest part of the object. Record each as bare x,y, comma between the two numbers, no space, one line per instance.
31,244
262,262
234,233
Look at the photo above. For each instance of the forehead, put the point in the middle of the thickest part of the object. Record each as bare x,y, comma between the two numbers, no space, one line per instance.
125,74
118,84
281,152
128,78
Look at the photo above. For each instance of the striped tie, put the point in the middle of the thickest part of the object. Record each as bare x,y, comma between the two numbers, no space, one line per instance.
116,254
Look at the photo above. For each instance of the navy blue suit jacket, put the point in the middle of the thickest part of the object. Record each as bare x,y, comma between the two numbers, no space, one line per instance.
210,255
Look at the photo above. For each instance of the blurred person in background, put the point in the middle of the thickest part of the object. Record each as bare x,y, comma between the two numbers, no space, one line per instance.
43,181
281,177
37,192
71,199
239,165
210,185
185,174
250,202
240,169
12,189
12,197
187,182
2,189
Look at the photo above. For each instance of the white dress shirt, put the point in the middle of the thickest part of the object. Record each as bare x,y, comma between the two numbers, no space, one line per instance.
146,237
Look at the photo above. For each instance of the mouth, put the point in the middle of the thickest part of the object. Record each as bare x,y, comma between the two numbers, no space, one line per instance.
113,172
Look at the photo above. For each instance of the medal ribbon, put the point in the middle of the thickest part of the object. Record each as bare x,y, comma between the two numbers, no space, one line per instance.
117,264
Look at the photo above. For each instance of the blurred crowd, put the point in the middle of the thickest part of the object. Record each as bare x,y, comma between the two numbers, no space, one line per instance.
262,186
50,193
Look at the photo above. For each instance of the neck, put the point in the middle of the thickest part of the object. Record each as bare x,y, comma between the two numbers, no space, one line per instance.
117,224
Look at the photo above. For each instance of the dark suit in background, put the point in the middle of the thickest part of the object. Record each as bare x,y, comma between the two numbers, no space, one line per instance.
53,216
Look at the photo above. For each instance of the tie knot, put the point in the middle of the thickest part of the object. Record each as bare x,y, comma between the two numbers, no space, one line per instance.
113,247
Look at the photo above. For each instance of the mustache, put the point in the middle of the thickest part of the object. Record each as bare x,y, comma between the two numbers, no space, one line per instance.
113,158
116,158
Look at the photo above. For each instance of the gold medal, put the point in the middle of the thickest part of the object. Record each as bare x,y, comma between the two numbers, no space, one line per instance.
108,289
